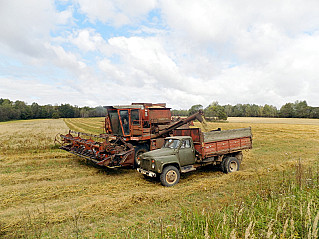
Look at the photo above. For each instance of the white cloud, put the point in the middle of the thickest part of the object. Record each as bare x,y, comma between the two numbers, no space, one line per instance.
65,17
117,13
183,53
146,55
25,24
16,89
87,40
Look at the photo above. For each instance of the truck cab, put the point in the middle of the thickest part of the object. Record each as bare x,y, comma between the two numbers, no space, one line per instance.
177,153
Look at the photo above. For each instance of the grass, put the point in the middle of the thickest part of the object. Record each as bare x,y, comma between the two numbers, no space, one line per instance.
88,125
46,192
285,208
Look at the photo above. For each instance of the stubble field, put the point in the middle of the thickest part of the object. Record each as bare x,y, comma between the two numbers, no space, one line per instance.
46,192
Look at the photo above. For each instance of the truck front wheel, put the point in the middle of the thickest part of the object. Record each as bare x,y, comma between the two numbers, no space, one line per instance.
231,164
170,176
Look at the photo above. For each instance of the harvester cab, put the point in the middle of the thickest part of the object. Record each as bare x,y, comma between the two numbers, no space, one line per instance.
137,121
130,130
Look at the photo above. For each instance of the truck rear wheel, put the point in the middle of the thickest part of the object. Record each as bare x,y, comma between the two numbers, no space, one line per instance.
231,164
170,176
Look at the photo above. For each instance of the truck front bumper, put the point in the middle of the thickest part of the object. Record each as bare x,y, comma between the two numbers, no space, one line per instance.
147,173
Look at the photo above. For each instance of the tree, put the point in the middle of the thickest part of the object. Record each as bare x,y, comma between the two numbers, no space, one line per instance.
238,110
23,110
228,110
287,110
255,110
84,112
100,111
4,114
302,110
66,111
314,112
56,115
35,110
194,109
269,111
179,112
76,111
215,110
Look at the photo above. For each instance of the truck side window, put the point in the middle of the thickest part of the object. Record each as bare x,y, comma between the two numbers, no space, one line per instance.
186,144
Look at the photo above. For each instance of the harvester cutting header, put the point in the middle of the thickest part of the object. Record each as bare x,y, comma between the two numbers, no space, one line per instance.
130,130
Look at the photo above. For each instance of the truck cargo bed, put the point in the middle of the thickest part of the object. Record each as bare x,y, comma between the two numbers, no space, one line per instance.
214,143
227,141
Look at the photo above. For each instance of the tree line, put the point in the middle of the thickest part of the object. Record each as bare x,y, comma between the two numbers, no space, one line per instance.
19,110
298,109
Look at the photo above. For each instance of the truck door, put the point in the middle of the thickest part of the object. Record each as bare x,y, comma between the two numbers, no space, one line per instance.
186,153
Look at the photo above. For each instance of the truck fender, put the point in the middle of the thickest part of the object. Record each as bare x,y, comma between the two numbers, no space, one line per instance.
170,164
139,150
239,156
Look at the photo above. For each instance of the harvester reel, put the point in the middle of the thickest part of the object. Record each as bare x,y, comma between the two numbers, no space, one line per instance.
108,153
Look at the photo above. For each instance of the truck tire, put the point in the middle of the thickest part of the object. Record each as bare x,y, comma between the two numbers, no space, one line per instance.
231,164
222,165
170,176
139,150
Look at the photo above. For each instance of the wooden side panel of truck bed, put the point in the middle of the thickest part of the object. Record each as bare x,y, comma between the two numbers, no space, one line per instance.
210,149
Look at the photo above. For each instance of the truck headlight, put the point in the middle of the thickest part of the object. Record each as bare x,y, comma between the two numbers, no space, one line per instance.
153,164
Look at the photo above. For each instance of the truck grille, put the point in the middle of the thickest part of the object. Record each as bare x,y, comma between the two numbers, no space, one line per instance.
146,164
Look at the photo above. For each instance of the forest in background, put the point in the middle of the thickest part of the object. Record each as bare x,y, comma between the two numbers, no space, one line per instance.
19,110
298,109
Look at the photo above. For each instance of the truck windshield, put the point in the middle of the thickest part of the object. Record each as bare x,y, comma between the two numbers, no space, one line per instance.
171,143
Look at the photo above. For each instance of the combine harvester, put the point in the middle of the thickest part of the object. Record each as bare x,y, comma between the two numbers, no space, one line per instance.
130,131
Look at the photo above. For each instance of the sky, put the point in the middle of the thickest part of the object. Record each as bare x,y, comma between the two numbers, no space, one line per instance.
107,52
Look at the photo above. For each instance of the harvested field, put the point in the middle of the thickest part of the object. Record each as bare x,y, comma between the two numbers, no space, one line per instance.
261,120
46,192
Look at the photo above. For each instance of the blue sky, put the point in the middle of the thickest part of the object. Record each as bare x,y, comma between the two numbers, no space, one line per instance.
108,52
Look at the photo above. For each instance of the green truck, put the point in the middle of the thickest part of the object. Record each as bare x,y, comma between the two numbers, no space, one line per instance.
190,149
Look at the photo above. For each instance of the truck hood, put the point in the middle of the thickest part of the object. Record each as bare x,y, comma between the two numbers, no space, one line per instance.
159,153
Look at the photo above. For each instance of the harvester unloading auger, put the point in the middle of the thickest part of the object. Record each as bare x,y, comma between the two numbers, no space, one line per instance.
129,131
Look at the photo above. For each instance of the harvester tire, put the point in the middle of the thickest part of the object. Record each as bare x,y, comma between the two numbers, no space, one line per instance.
231,164
170,176
139,150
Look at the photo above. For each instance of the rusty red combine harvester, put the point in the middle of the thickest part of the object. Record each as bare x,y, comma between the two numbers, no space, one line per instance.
130,130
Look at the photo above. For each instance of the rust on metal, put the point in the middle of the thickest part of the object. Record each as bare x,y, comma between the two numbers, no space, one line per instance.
115,153
140,126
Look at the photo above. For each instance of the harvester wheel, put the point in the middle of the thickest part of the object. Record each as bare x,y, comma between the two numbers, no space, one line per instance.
231,164
139,150
170,176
